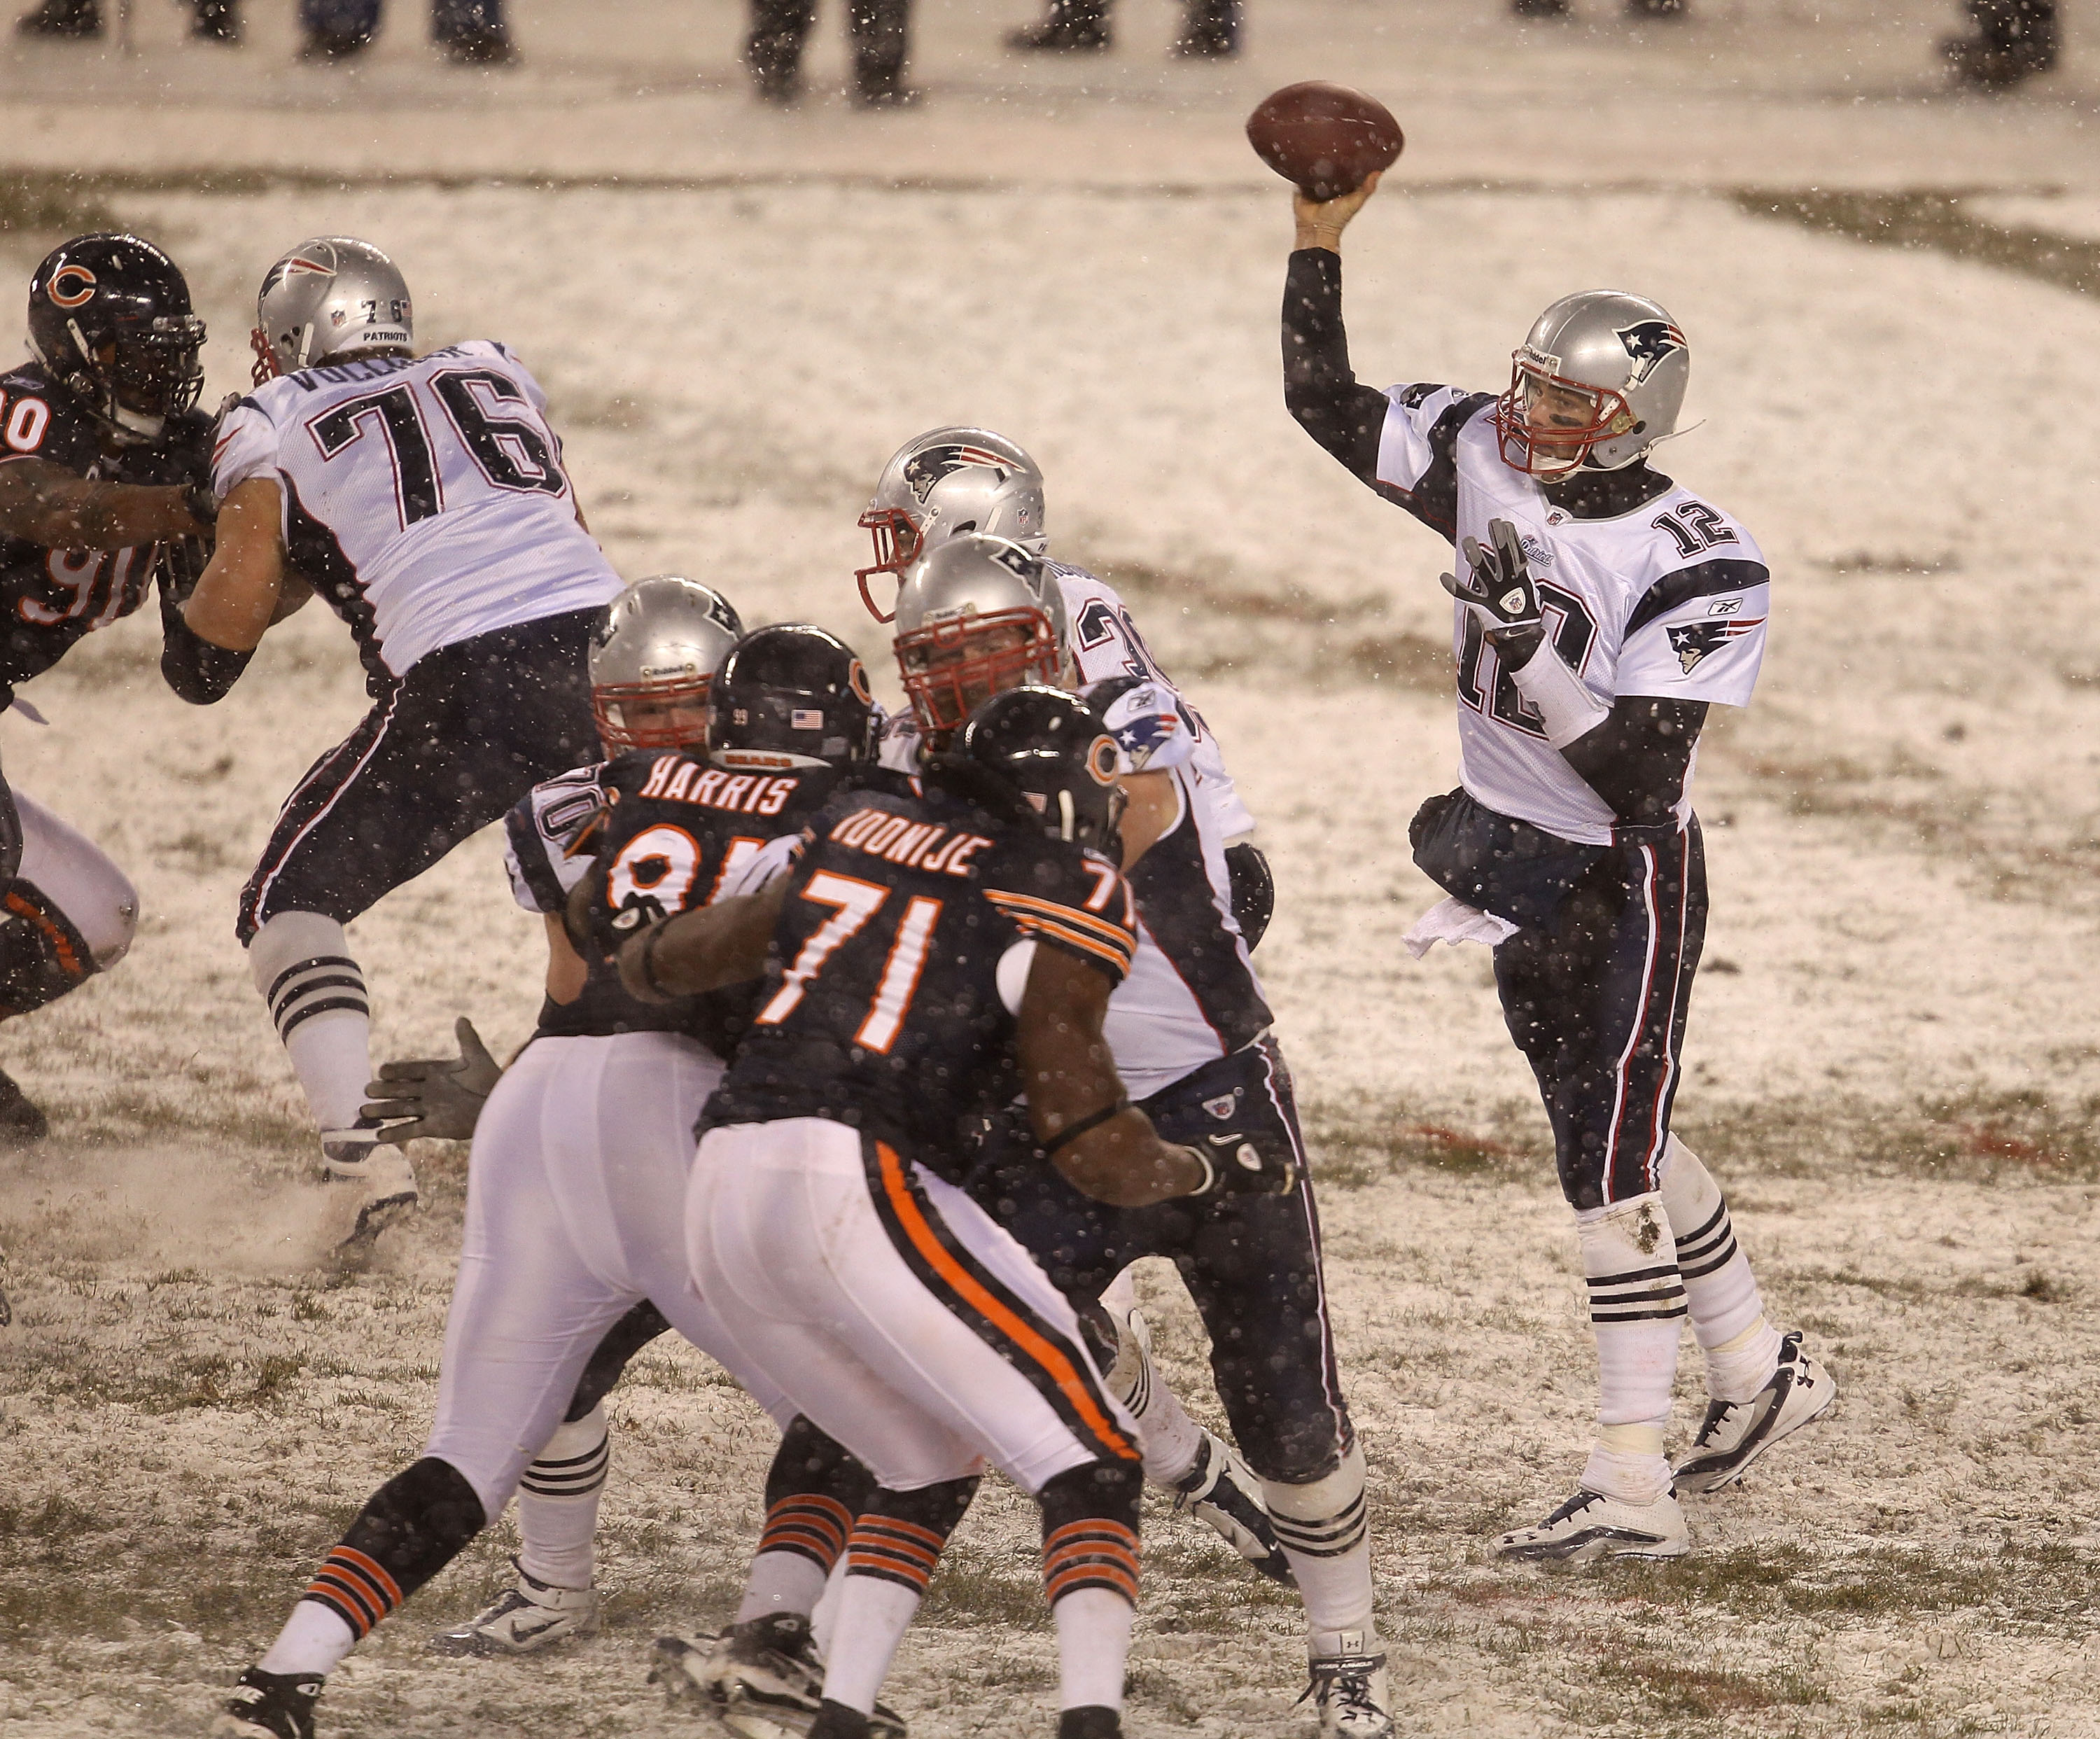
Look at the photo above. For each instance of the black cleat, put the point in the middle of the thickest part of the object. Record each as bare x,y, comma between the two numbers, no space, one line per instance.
21,1124
1062,34
269,1705
61,21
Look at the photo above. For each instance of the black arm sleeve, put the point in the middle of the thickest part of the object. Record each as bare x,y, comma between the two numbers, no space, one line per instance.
199,672
1637,759
1319,389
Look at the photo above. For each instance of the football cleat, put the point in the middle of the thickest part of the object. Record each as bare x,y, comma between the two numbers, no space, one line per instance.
1590,1525
1736,1432
762,1678
524,1619
1221,1491
1352,1692
362,1155
22,1124
269,1706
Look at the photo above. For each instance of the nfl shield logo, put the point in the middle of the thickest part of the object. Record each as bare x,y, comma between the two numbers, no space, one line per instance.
1221,1108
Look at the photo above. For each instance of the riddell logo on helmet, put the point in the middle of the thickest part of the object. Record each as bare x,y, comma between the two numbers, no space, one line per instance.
927,468
62,290
1649,343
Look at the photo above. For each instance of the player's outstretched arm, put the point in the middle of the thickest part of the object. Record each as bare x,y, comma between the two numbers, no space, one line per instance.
237,599
1320,389
45,504
707,950
1100,1144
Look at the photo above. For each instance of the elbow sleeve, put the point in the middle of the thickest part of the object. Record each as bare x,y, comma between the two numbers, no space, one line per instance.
196,669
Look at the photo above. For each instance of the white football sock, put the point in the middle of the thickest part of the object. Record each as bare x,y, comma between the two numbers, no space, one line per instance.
1168,1439
1325,1535
301,965
872,1615
557,1499
780,1582
1637,1313
313,1640
1727,1314
1093,1647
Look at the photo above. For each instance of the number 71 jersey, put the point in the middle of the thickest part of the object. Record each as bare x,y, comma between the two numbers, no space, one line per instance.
1667,601
899,964
424,497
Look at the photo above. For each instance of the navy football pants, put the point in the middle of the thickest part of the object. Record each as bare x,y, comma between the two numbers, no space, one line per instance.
1250,1262
1597,1005
445,751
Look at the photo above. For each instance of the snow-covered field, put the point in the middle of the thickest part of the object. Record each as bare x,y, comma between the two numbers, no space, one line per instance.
1895,1054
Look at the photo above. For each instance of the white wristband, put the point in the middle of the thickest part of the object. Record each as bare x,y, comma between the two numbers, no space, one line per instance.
1569,707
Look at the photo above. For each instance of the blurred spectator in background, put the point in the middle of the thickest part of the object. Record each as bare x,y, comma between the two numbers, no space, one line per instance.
213,20
1210,29
1636,10
2014,40
879,28
468,32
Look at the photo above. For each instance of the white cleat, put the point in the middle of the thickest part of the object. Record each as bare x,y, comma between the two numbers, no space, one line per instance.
361,1158
1590,1525
524,1619
1221,1492
1736,1432
1352,1693
762,1679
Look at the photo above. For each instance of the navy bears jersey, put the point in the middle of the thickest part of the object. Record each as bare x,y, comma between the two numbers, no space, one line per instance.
898,967
670,831
51,597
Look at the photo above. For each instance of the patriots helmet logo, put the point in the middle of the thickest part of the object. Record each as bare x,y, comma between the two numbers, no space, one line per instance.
1694,642
1648,343
925,470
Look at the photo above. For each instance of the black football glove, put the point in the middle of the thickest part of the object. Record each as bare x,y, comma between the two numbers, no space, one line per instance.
1497,585
179,564
435,1098
1233,1165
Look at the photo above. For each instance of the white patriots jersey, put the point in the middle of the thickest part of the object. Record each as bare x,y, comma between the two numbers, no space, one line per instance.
1192,995
1668,601
540,836
1104,642
424,498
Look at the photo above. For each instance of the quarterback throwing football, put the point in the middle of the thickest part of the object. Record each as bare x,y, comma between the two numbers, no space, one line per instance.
1600,610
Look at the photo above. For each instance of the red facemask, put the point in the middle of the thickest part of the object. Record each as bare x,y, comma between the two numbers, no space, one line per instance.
1539,451
898,542
943,695
608,707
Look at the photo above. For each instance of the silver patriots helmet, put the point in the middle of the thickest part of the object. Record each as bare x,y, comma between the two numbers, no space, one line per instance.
326,297
977,616
659,641
1599,381
942,484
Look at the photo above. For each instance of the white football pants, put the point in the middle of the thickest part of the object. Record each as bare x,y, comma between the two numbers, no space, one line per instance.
575,1212
79,877
896,1315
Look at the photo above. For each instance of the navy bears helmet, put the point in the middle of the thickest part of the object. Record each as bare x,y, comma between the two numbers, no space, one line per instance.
110,317
790,695
1049,754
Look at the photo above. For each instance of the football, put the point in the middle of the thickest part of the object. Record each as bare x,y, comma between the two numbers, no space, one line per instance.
1326,137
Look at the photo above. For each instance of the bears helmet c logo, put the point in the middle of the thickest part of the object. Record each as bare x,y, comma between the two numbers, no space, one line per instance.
62,289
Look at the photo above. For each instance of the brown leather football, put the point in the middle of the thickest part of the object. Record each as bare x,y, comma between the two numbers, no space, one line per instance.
1326,137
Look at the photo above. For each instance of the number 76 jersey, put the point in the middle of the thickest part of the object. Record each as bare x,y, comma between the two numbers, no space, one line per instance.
1667,600
424,497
